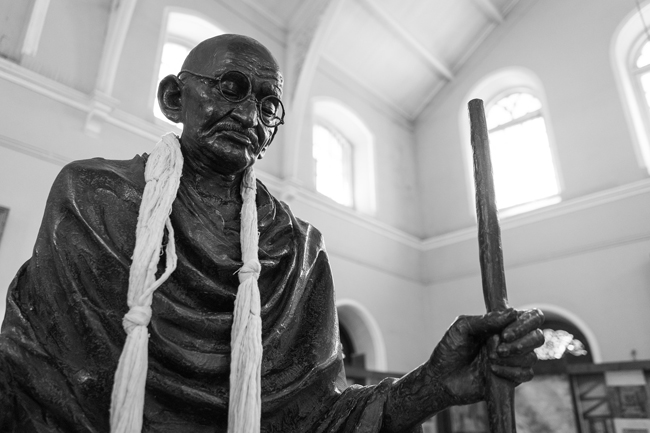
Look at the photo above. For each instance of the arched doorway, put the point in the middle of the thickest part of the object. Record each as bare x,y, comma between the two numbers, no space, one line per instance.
361,338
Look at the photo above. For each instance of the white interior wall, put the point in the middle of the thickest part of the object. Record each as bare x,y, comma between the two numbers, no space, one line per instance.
588,254
396,185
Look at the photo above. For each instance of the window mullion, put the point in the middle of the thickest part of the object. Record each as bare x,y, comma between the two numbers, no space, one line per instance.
526,117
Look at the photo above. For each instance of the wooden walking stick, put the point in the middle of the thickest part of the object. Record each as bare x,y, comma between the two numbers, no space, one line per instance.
499,394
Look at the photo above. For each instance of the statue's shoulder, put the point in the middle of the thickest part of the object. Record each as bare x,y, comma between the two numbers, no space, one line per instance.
299,227
95,170
98,181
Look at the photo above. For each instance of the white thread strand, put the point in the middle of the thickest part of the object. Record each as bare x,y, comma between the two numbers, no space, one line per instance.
245,406
162,175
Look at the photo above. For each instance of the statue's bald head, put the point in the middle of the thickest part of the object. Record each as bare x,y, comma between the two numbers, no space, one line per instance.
210,56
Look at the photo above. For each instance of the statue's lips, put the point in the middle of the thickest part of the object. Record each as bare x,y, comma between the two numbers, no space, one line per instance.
237,136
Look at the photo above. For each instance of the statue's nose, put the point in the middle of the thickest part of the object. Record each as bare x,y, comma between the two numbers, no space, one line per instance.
246,113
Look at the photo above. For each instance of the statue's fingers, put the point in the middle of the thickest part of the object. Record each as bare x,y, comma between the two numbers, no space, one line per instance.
513,374
523,345
490,323
526,322
526,360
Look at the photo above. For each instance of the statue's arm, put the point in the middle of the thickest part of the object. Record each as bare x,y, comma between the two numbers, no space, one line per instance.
6,399
454,374
413,398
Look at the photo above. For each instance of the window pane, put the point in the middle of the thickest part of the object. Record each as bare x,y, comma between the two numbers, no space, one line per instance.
644,57
512,107
332,156
645,83
522,164
171,61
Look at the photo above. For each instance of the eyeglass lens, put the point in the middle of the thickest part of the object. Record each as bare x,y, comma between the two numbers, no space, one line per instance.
235,87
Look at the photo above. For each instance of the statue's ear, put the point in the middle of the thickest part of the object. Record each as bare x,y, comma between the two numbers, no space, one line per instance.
169,97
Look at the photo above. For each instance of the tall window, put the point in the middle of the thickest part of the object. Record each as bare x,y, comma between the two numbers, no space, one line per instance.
342,149
183,32
333,164
640,72
631,55
522,163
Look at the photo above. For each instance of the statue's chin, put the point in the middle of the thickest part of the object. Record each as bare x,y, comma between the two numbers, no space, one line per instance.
221,155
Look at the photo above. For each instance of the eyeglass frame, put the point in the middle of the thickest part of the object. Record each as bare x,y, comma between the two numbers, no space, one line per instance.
258,104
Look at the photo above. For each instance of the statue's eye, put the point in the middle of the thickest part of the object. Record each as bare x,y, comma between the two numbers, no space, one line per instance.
269,106
271,111
234,86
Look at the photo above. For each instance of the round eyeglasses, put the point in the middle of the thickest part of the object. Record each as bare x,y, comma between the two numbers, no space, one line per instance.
235,86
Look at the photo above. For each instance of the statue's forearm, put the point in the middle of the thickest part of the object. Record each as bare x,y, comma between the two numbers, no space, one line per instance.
413,398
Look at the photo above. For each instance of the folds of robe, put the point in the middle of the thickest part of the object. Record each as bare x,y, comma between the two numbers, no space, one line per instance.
62,334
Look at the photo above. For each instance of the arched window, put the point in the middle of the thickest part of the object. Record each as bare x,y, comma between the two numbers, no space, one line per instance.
333,164
522,163
631,55
183,31
640,75
641,71
343,156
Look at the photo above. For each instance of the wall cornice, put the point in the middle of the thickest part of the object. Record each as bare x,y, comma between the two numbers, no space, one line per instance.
546,213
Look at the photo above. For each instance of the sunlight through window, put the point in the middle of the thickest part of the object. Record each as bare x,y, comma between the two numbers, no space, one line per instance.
643,72
183,32
171,61
521,157
333,163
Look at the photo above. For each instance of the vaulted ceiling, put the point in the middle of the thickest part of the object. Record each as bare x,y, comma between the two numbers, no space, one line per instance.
402,51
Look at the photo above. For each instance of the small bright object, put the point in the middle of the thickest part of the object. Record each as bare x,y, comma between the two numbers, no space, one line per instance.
557,343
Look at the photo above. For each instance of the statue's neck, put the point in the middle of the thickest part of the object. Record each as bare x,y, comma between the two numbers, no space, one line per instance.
207,179
213,186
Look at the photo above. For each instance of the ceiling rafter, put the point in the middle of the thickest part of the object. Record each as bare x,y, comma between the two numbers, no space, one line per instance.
434,62
489,10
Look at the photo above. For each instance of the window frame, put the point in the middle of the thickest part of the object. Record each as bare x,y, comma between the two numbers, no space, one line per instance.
491,89
348,158
335,116
539,113
627,41
635,74
166,37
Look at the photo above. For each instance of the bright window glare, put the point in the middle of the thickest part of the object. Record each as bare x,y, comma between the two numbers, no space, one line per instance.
644,57
183,32
332,154
645,83
521,157
512,107
171,61
522,164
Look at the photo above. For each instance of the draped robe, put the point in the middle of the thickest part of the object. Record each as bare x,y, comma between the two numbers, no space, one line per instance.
62,334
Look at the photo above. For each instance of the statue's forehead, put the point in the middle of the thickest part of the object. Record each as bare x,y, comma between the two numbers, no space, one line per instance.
220,58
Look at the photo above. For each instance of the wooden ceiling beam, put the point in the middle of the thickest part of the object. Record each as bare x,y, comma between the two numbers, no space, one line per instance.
434,62
489,10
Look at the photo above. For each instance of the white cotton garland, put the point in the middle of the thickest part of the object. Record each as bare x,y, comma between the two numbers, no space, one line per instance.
162,176
245,407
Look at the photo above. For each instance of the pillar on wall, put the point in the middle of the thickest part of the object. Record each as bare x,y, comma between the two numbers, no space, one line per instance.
103,103
307,35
